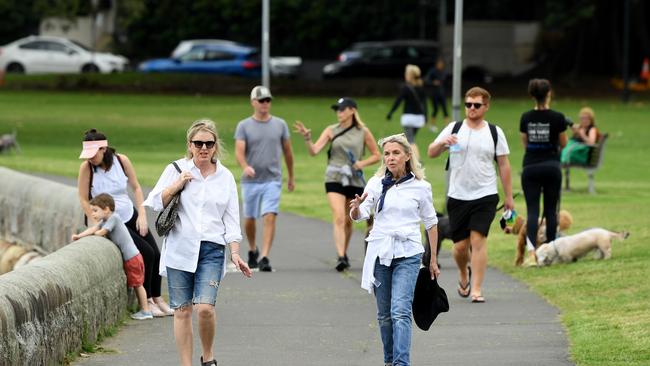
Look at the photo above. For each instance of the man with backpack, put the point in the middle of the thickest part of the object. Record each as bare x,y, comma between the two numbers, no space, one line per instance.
473,196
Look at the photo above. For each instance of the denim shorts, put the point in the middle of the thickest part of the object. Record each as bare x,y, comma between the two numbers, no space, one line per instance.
200,287
261,198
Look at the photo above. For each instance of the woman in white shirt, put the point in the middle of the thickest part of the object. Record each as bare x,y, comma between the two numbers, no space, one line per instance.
105,171
401,200
194,251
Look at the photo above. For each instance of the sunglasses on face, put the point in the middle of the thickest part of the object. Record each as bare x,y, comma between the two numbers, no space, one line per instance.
264,100
199,144
475,105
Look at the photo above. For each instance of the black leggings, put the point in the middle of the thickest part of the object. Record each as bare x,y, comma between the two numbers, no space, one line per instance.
438,99
537,178
150,254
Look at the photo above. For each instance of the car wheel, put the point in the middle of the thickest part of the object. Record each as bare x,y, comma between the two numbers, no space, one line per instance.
89,68
15,68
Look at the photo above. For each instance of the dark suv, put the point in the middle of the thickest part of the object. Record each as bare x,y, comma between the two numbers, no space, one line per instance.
383,59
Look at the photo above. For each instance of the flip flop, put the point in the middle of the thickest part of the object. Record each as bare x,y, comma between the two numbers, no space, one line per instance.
478,299
464,291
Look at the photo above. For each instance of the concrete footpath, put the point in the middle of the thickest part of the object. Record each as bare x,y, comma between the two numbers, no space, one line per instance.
306,313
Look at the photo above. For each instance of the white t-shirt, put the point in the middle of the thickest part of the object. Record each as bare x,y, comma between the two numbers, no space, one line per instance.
475,176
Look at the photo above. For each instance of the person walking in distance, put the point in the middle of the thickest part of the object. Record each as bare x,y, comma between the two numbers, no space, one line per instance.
344,174
472,198
260,141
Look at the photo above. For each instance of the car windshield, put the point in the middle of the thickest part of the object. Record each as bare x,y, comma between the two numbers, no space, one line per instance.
80,45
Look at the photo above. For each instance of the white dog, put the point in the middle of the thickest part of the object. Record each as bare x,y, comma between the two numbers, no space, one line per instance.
570,248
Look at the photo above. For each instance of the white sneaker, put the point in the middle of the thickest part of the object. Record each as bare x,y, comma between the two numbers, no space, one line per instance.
142,315
530,261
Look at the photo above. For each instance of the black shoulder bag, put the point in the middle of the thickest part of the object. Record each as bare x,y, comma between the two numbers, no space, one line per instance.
167,217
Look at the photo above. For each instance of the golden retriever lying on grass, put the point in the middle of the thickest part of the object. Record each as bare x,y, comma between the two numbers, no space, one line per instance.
565,220
570,248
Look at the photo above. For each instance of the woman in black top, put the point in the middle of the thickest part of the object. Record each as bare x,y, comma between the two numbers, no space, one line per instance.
542,133
414,116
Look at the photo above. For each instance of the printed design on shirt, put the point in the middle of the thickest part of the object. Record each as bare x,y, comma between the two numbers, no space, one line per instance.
539,132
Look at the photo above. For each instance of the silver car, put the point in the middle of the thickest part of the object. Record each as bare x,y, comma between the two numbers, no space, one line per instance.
46,54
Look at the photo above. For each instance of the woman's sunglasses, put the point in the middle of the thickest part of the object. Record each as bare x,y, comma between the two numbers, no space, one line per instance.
199,144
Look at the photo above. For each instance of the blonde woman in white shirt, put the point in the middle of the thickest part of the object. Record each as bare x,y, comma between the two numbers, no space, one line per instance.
194,252
401,200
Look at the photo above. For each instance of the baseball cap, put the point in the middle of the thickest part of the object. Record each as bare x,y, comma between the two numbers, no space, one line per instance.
90,148
344,103
260,92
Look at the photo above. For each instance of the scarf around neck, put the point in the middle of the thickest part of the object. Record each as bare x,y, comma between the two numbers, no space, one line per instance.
388,182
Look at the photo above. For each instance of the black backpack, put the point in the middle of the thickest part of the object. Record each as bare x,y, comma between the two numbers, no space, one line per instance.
493,132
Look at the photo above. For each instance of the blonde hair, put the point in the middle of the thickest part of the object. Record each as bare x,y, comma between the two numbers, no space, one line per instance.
204,125
412,165
356,119
413,75
589,112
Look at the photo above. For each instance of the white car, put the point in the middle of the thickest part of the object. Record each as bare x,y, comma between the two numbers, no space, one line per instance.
285,66
45,54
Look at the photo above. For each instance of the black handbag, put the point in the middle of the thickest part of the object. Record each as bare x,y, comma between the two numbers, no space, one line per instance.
167,217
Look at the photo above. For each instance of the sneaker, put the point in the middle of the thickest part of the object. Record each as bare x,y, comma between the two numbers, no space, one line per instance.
209,363
530,261
252,258
155,310
164,307
264,265
142,315
347,261
341,264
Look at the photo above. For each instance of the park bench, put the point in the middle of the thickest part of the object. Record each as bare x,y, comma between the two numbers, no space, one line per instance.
593,164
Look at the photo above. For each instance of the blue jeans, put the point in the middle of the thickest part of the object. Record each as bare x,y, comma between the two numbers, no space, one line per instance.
200,287
394,301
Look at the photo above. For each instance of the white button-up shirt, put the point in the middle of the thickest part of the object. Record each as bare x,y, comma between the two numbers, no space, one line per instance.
396,230
208,211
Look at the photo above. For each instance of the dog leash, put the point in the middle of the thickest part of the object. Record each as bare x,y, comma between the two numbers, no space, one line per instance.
504,202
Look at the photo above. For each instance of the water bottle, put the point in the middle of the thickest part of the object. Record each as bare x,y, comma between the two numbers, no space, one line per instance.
455,159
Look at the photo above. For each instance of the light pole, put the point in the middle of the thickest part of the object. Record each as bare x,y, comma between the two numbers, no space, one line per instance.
458,60
265,44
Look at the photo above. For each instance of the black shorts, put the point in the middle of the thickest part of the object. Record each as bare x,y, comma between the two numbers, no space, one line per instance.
347,191
465,216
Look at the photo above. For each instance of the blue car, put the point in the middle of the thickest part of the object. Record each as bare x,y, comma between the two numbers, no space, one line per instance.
226,59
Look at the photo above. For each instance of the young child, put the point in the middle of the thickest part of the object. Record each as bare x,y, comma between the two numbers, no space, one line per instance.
110,225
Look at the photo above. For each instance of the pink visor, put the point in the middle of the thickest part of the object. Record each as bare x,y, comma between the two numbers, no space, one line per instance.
90,148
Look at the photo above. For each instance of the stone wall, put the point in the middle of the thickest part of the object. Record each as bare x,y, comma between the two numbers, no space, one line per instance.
37,211
49,307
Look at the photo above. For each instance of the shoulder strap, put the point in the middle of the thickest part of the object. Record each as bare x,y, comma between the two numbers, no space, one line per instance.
176,166
119,160
329,151
454,130
495,138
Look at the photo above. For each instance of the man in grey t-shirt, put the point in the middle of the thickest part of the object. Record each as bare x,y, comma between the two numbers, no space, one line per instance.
260,140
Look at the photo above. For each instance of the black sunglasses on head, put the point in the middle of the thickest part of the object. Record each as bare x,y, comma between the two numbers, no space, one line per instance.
476,105
199,144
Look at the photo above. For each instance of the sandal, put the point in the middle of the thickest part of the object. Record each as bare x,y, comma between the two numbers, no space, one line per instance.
464,291
478,299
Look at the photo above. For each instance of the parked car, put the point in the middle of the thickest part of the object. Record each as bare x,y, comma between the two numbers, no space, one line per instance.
383,59
286,66
228,59
46,54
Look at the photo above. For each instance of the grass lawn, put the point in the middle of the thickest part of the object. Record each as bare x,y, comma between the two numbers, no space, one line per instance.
605,304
